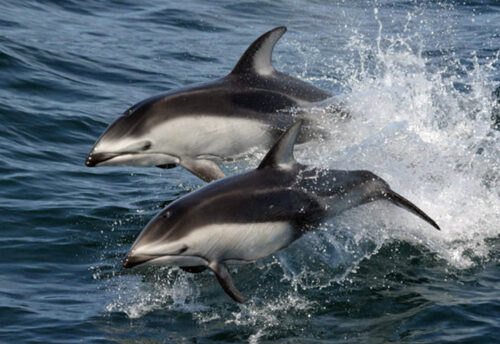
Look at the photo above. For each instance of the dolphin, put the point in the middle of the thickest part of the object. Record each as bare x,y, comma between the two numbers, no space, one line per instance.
246,217
223,120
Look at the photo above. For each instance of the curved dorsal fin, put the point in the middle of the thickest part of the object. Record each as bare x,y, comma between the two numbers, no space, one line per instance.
257,58
282,151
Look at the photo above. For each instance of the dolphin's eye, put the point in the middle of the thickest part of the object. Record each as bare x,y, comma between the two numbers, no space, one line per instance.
166,215
146,146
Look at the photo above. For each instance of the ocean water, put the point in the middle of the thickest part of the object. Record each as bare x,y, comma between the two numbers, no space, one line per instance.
418,79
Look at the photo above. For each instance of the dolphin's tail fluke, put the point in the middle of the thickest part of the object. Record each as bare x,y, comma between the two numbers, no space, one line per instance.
402,202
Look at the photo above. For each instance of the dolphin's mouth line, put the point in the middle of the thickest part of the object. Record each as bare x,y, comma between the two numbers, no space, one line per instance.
96,159
130,262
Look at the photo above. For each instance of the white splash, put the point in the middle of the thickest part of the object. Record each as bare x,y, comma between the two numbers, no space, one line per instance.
433,143
171,292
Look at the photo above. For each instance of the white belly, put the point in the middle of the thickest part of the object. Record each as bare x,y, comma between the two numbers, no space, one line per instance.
238,243
210,136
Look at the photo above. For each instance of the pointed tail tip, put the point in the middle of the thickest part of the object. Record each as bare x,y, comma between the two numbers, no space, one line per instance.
402,202
434,224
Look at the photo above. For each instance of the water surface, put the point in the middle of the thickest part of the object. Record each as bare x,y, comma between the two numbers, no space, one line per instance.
418,79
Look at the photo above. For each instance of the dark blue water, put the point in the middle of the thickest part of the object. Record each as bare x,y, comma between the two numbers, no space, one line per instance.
418,79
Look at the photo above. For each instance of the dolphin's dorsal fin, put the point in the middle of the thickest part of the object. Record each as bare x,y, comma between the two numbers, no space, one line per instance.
282,152
257,58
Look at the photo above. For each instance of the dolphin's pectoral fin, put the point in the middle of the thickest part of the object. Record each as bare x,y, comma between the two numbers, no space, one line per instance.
226,282
204,169
194,269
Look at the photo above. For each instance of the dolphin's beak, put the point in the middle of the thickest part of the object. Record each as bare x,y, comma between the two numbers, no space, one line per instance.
130,260
93,159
